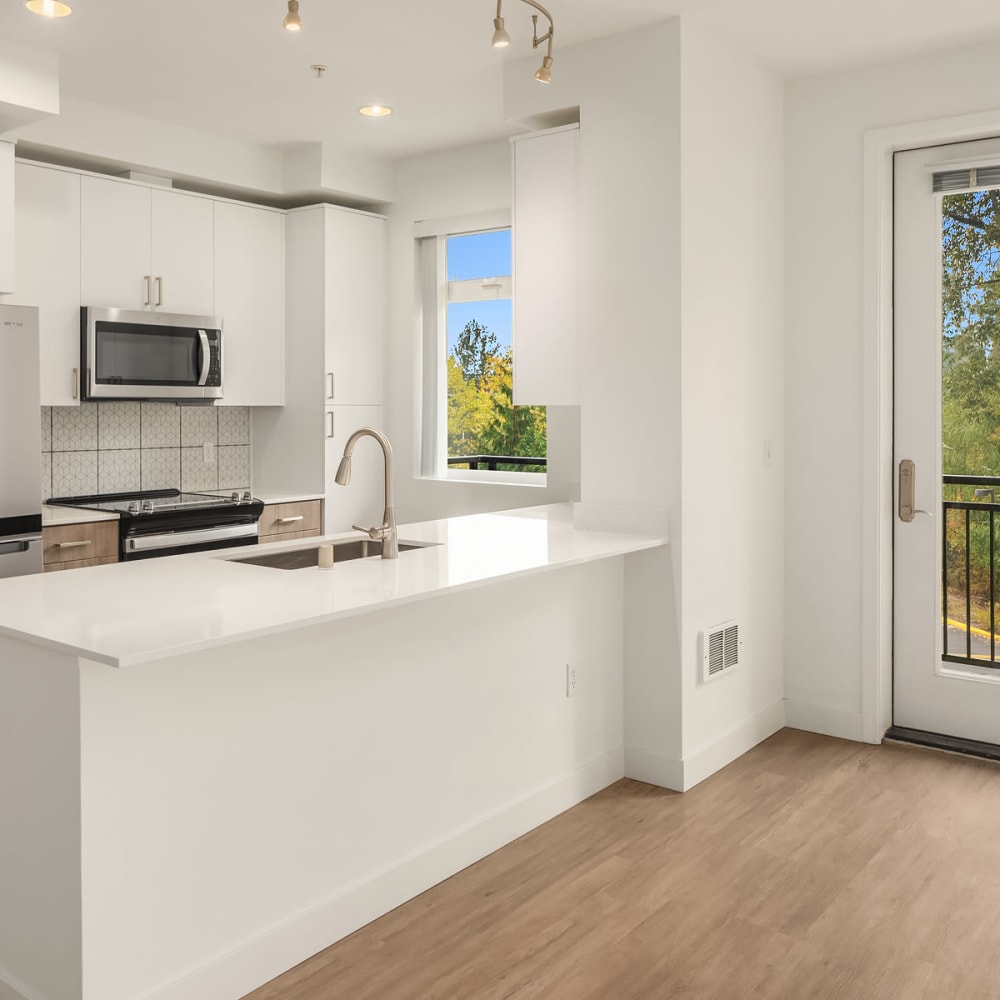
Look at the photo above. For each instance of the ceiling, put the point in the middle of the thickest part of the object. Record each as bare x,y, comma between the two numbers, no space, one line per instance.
227,66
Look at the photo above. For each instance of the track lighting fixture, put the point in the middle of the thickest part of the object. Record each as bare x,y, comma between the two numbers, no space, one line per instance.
48,8
292,21
501,39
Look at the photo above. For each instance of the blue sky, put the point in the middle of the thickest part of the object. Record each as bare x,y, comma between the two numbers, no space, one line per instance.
479,255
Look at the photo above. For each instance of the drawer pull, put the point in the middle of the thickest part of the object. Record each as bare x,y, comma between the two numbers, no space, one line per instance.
290,520
73,545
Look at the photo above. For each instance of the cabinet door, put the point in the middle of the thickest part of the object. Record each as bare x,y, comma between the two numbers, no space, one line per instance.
6,217
115,230
250,299
362,501
182,258
47,264
545,268
356,291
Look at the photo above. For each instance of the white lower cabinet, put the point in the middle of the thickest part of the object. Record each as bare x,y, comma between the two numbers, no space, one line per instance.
362,501
47,269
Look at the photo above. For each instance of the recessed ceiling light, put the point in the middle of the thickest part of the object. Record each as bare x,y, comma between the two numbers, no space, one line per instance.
375,111
48,8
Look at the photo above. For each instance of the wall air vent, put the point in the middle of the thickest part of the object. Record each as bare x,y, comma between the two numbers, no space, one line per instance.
720,650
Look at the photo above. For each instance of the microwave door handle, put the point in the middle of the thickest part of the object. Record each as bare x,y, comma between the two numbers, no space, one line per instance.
206,357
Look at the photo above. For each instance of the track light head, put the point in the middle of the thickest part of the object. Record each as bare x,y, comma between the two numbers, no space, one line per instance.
544,72
48,8
500,37
292,21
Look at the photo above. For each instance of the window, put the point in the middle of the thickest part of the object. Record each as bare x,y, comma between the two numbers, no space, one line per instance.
471,427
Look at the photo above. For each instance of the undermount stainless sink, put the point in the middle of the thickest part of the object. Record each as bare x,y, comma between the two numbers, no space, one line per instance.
345,551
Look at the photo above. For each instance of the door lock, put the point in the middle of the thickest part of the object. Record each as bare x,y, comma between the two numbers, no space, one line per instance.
907,491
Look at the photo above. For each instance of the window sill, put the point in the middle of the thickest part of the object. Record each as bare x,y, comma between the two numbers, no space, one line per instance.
531,480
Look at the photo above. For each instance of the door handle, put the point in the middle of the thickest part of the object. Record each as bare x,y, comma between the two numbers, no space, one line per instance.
907,491
149,289
159,290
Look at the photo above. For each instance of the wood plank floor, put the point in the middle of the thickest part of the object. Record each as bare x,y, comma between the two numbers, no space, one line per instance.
809,868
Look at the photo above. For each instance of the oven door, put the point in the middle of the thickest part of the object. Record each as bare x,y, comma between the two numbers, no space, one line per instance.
148,545
172,532
139,355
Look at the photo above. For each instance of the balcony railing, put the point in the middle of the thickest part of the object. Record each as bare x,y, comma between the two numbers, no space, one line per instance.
969,570
491,462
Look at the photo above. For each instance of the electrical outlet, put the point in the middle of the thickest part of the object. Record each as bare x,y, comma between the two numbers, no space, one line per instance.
571,681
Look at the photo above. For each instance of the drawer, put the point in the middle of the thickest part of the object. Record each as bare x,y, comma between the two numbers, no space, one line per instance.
289,536
285,518
80,543
80,563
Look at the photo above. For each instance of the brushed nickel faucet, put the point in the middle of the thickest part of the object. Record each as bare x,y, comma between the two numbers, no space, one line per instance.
386,532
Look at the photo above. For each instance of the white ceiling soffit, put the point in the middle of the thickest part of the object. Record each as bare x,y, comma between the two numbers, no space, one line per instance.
226,66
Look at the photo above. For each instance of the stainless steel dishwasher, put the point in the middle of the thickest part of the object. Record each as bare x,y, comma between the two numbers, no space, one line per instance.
20,443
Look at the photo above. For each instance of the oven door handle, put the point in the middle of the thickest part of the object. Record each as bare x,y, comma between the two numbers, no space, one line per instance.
178,539
206,357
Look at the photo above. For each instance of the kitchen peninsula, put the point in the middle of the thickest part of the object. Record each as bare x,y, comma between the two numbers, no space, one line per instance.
213,769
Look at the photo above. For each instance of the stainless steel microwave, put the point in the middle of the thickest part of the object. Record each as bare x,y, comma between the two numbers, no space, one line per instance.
149,355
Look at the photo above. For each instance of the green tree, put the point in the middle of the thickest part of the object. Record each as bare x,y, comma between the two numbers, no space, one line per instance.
482,419
476,352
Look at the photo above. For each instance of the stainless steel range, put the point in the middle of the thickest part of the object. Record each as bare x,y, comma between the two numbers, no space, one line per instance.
168,522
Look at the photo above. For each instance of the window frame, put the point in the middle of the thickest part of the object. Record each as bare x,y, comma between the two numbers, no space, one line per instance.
437,292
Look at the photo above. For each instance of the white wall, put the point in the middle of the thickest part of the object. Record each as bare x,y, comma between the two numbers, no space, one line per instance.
461,182
732,377
826,121
627,88
681,366
40,816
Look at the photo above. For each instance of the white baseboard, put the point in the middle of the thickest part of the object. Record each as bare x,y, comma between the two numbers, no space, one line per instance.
829,721
680,775
655,769
706,761
283,946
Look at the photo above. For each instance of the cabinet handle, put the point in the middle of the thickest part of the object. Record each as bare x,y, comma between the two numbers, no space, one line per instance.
73,545
149,289
329,427
76,383
290,520
159,290
329,394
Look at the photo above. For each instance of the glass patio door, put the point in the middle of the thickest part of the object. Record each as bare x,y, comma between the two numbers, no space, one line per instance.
946,539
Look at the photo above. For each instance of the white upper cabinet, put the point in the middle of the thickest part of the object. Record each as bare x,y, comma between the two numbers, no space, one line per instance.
47,272
182,257
6,217
356,291
145,249
250,299
546,167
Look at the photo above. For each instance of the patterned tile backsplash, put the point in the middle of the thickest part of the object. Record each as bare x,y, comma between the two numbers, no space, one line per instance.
121,447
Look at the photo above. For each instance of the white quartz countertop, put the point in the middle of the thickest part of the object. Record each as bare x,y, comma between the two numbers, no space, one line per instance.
53,515
136,612
273,496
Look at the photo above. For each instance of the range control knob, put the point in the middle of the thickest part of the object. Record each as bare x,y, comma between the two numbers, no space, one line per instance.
235,496
147,505
246,496
133,507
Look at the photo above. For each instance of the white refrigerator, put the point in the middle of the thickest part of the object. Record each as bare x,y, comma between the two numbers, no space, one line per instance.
20,443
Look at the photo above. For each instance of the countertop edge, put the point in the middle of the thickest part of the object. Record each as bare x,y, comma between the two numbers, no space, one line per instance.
153,656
